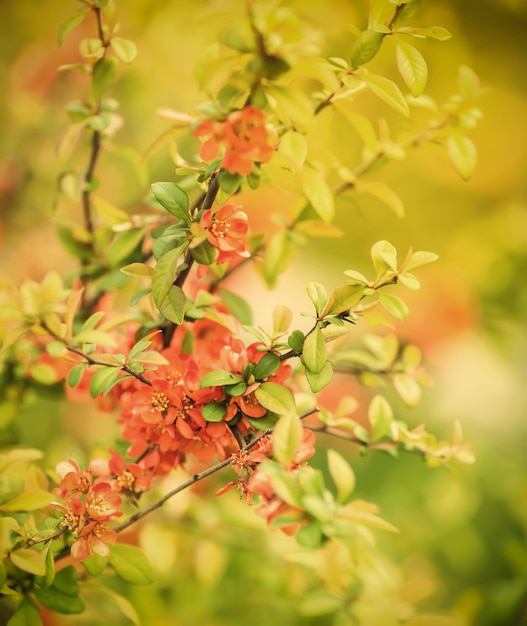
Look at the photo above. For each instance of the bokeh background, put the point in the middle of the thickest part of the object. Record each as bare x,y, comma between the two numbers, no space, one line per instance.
465,533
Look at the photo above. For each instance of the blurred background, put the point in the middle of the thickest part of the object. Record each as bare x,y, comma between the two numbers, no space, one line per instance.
465,532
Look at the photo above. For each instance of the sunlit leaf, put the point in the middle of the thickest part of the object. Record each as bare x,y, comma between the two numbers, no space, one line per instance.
412,66
342,475
314,351
319,193
385,89
463,155
286,437
380,415
125,50
131,564
29,560
103,76
275,398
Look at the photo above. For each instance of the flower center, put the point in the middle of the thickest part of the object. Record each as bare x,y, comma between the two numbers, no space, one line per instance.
160,402
220,228
70,521
126,480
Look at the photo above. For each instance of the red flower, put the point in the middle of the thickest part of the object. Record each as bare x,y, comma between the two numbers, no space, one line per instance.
94,537
244,138
226,229
102,503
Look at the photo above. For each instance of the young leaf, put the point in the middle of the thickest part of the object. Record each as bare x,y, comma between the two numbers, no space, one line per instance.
463,155
318,295
384,256
131,564
385,89
319,380
294,146
103,76
282,317
102,379
380,415
319,193
172,198
408,388
342,475
125,50
343,299
137,269
123,244
412,66
314,351
69,24
173,305
394,306
286,437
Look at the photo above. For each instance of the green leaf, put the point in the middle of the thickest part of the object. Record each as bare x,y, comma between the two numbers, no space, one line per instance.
103,76
125,50
275,398
229,183
26,614
173,306
266,366
286,437
75,375
408,388
213,412
96,564
218,378
380,415
28,501
48,578
408,10
318,380
365,47
342,475
137,269
314,351
102,379
163,278
418,258
463,155
172,198
123,244
384,256
394,306
238,306
310,536
292,105
29,560
109,213
343,299
265,422
60,602
278,255
69,24
319,602
318,295
131,564
294,146
121,602
319,193
205,253
296,341
434,32
385,89
412,66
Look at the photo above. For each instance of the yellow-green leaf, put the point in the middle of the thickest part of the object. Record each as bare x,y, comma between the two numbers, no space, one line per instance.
29,560
319,193
463,155
286,437
125,50
412,66
342,475
385,89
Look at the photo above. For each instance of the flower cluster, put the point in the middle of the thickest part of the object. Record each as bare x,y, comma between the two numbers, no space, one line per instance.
243,139
254,482
88,505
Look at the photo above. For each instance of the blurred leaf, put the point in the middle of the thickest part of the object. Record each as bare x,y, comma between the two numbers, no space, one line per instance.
394,306
109,213
384,257
463,155
380,415
69,24
26,614
319,193
131,564
292,105
103,76
282,317
319,602
125,50
385,89
294,146
342,475
29,560
123,244
137,269
124,605
28,501
286,437
408,388
214,412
